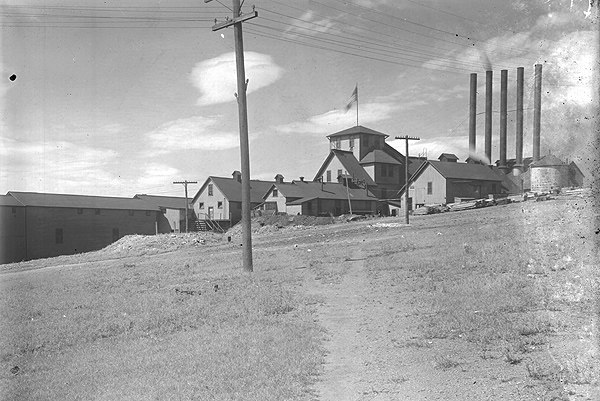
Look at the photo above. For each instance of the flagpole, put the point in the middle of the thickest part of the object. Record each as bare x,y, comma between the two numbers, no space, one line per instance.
357,104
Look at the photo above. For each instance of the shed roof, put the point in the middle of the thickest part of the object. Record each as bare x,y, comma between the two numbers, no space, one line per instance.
359,129
448,156
350,163
80,201
8,200
169,202
309,190
232,188
378,156
466,171
547,161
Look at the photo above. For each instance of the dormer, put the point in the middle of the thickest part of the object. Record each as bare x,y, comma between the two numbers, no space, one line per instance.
448,157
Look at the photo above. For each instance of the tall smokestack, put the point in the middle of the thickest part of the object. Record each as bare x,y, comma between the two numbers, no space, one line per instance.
537,111
473,114
488,114
503,116
519,128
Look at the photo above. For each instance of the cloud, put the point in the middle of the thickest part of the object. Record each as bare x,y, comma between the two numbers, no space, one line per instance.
191,133
55,166
339,119
154,175
216,78
308,25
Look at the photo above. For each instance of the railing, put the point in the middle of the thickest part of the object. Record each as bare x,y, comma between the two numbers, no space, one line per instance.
210,224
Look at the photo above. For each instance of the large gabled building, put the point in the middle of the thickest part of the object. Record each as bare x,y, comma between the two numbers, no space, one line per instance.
363,155
38,225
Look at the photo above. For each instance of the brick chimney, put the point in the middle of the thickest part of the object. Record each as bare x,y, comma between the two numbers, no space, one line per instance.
237,176
279,179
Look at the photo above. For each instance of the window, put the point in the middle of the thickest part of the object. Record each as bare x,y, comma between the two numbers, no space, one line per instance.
328,175
58,235
115,234
351,143
219,205
131,212
383,170
97,211
201,205
391,171
338,143
339,172
210,189
275,193
429,188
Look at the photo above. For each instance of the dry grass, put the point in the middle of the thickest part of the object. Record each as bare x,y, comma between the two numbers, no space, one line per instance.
154,330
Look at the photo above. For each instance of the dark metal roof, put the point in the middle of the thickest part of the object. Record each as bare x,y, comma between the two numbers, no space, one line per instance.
308,190
548,161
80,201
448,156
378,156
465,171
350,163
7,200
169,202
359,129
232,188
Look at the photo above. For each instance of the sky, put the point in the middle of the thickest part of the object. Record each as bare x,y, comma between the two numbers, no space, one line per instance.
118,98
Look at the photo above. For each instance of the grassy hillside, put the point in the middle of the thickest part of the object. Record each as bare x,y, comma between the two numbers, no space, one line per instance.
502,299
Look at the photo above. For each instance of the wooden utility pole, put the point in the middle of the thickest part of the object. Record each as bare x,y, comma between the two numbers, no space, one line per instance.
242,84
406,183
185,184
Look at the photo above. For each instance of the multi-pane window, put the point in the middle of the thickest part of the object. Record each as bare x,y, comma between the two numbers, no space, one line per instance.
201,205
220,205
275,193
351,143
429,187
328,175
210,189
339,172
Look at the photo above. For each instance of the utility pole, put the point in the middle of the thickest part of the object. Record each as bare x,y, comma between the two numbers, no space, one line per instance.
242,84
185,184
406,186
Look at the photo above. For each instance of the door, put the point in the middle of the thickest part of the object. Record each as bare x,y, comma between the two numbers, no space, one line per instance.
211,213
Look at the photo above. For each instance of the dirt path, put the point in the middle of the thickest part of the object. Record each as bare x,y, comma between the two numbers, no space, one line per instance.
342,316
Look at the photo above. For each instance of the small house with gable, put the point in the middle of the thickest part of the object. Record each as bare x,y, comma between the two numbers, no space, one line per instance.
218,202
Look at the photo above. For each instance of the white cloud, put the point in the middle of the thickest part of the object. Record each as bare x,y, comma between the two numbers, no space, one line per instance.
191,133
216,78
55,166
154,175
308,25
334,120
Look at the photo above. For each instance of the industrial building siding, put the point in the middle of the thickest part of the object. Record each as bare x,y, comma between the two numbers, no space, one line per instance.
80,232
12,234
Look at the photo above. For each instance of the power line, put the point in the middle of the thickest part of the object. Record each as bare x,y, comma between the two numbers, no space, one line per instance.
372,42
371,10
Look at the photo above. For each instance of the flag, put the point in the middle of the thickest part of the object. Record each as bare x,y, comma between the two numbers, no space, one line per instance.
353,99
